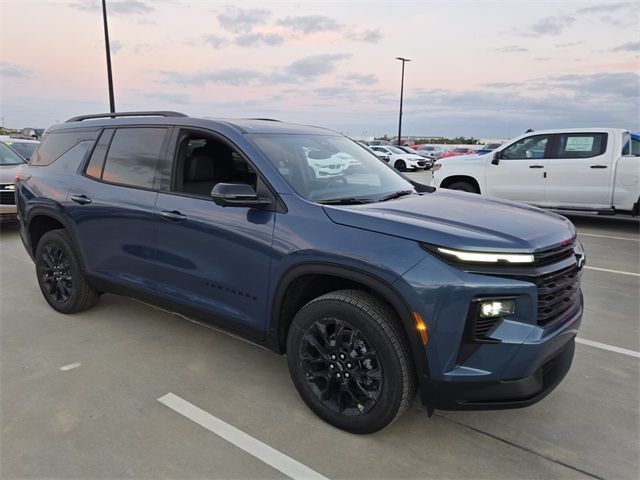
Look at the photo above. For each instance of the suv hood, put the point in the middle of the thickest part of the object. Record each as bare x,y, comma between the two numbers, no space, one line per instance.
459,220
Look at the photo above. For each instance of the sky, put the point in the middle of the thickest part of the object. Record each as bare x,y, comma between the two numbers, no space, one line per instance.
487,69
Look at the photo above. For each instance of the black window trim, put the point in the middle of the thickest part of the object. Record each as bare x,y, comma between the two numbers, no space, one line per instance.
172,153
161,157
556,145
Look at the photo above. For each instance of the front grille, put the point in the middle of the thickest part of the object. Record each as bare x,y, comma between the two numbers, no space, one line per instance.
558,294
422,164
7,198
555,254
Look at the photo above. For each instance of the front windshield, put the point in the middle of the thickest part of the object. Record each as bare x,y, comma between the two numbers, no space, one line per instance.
330,168
395,150
25,149
9,157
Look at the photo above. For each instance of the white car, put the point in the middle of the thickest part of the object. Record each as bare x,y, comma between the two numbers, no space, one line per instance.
399,159
587,169
24,148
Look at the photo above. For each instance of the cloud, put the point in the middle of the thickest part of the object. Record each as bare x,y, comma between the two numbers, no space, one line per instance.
216,41
361,78
512,49
115,46
169,97
12,70
568,44
368,36
627,47
315,65
605,7
242,20
256,39
230,76
116,7
307,24
549,26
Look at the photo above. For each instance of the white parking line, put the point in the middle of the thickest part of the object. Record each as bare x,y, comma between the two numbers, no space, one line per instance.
611,348
231,434
608,236
619,272
70,366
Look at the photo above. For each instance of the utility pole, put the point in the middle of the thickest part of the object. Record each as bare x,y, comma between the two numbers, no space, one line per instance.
112,103
403,60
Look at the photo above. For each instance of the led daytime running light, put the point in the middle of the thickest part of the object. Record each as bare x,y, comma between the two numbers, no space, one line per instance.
488,257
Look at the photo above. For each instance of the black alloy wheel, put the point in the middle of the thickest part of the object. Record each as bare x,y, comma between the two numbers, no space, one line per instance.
400,165
55,273
340,367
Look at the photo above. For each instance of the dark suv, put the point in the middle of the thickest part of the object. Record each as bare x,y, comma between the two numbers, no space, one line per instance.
302,241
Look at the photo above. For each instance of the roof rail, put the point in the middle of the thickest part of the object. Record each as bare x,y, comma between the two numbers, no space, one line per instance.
266,119
127,114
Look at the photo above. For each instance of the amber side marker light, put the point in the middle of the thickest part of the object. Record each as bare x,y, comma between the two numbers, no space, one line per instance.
421,327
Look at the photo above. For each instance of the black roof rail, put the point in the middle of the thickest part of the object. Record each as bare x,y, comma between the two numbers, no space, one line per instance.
266,119
127,114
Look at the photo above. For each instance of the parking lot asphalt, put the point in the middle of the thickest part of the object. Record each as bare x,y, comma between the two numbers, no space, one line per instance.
79,394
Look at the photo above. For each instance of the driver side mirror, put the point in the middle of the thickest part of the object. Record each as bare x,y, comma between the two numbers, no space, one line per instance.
237,195
496,158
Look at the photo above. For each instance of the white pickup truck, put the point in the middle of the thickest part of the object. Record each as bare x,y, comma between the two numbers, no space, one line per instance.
587,169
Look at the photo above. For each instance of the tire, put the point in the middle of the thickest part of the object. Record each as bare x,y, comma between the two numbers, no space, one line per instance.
60,276
463,186
400,165
381,381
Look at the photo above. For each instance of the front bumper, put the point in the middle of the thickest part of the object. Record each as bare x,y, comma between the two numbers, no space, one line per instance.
8,213
499,394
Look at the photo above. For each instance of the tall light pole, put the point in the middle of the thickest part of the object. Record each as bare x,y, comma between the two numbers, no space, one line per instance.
112,103
403,60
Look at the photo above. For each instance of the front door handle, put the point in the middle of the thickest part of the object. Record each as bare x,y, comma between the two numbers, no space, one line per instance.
598,166
81,199
536,166
173,215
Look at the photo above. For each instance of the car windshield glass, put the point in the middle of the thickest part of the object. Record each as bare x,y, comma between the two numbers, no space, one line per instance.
395,150
330,168
9,157
23,148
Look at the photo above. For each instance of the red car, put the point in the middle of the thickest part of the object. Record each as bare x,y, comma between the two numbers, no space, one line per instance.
458,151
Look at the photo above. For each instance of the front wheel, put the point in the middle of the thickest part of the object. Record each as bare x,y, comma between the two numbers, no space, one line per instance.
60,276
400,165
464,187
348,361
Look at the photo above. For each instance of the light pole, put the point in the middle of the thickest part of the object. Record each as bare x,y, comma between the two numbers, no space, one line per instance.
403,60
112,103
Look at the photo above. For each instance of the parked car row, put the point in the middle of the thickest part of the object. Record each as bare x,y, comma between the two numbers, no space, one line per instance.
14,154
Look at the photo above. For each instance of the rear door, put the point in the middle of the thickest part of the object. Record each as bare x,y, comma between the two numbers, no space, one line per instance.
580,171
112,206
520,172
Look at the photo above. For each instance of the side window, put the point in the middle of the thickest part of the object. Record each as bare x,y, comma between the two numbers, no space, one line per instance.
56,143
96,162
581,145
202,162
527,148
133,156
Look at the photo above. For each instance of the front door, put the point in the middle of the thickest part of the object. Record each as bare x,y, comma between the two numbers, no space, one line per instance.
520,172
213,260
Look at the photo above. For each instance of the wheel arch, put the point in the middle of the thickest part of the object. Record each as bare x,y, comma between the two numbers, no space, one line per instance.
280,319
42,220
450,180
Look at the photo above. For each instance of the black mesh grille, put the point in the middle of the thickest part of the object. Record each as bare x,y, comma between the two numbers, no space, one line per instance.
555,254
558,294
484,326
7,198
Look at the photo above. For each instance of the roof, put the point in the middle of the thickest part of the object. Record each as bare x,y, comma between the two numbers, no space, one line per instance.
242,125
11,140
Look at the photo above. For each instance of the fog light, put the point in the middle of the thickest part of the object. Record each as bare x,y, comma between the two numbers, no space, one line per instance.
497,308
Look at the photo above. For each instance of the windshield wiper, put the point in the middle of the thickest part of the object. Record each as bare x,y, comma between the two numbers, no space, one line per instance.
345,201
393,195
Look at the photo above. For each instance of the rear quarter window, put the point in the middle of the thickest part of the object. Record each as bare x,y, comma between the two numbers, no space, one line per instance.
55,144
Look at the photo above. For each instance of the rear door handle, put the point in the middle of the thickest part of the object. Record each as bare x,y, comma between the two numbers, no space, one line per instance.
81,199
536,166
173,215
598,166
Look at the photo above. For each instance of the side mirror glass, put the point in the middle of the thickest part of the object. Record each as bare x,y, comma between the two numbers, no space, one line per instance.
496,158
237,195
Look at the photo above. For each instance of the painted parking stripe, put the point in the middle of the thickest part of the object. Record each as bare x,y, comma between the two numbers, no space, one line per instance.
71,366
231,434
619,272
610,348
608,236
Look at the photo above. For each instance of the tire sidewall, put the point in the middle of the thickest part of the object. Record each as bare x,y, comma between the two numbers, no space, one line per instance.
59,239
390,397
400,165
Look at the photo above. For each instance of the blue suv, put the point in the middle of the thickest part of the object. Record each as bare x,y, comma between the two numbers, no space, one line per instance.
302,241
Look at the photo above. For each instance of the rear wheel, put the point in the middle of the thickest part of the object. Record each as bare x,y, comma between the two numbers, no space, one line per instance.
463,186
349,363
60,277
400,165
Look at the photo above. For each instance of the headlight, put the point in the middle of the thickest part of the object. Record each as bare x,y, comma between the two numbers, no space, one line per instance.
486,257
437,166
497,308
